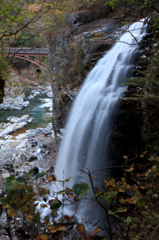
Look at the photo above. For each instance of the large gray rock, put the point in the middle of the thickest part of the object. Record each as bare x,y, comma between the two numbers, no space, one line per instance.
24,118
8,129
16,103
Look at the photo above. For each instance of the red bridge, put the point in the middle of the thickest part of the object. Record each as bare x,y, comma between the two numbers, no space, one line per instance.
28,54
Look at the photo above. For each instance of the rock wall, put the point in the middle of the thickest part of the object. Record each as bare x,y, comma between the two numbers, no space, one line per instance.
72,55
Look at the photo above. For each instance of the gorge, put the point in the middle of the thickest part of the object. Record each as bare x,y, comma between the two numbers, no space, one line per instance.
104,182
85,144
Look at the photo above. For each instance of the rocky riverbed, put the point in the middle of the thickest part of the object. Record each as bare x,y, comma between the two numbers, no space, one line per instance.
26,141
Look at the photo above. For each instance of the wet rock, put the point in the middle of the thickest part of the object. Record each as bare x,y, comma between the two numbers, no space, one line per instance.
33,144
24,118
42,150
50,94
32,158
3,219
16,103
23,157
38,130
45,145
32,133
30,97
8,166
10,128
3,232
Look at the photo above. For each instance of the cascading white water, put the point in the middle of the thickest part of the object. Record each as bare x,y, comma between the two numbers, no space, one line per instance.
85,141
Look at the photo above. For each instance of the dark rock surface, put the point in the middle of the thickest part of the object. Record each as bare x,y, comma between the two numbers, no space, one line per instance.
90,37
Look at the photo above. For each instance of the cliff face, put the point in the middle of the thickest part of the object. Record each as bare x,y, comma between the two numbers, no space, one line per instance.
72,55
90,34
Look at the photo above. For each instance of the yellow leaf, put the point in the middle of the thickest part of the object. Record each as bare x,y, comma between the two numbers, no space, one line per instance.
133,200
62,228
81,228
68,179
121,190
54,213
52,229
6,206
44,237
110,183
12,213
97,230
29,217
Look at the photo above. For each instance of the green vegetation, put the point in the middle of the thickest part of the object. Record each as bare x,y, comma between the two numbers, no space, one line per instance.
133,200
132,205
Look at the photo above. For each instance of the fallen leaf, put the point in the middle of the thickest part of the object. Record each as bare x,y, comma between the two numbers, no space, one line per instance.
44,237
81,228
97,230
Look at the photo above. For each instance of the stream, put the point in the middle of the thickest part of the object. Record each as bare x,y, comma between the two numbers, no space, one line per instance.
32,145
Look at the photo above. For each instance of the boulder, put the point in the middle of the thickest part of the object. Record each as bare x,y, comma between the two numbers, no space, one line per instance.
30,97
32,158
24,118
11,128
16,103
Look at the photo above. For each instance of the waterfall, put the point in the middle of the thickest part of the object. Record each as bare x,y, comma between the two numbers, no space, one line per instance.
85,142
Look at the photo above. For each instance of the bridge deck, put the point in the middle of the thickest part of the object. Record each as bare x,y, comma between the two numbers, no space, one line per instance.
27,51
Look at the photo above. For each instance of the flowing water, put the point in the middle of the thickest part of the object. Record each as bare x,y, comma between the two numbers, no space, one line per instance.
85,142
38,109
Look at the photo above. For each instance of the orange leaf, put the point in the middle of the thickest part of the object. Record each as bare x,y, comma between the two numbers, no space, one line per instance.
68,219
51,178
71,196
97,230
69,190
68,179
37,238
81,228
44,237
83,238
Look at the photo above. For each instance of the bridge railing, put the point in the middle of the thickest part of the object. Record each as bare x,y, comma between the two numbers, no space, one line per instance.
38,51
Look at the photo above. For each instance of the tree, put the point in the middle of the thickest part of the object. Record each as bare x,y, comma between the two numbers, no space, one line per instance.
15,17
